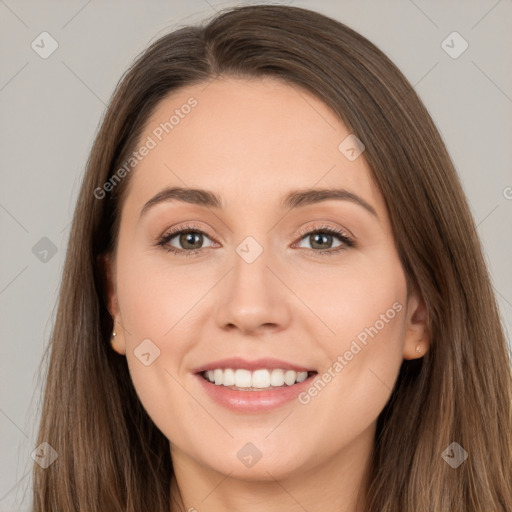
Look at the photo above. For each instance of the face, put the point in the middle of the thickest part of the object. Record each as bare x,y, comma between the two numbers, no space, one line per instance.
247,281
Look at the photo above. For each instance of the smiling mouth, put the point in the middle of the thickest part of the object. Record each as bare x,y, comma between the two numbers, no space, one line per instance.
257,380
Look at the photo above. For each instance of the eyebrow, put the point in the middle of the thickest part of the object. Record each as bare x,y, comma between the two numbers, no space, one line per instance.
294,199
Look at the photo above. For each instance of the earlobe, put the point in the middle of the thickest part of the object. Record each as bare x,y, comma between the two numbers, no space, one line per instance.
417,335
107,268
115,346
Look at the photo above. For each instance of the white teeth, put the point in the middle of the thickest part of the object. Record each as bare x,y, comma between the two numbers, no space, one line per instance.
258,379
242,378
302,376
217,376
277,378
229,377
261,379
289,377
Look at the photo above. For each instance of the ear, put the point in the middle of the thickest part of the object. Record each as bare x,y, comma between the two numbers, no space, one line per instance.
107,265
417,336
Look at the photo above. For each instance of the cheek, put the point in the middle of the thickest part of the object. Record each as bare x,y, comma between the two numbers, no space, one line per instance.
365,308
359,299
153,297
153,300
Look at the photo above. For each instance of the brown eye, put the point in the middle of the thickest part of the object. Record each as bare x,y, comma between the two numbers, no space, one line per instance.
185,240
191,240
320,241
325,240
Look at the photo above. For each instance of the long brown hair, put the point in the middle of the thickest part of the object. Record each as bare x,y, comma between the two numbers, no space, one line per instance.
111,455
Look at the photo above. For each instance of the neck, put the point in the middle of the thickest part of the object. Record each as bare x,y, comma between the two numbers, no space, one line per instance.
335,484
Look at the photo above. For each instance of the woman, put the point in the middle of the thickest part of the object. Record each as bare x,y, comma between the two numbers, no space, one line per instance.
274,294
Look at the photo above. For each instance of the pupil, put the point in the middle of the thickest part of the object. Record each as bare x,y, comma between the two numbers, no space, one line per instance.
189,238
323,237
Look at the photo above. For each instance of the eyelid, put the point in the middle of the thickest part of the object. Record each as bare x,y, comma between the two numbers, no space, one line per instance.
347,240
302,232
174,230
326,227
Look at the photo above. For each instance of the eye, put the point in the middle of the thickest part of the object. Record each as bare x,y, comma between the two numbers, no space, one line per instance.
188,240
185,240
321,239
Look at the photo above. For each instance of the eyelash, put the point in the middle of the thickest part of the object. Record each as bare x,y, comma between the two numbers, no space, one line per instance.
343,237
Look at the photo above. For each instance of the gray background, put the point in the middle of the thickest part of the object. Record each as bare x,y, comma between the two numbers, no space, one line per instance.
51,108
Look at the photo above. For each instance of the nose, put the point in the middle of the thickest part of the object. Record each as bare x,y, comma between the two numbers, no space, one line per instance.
253,299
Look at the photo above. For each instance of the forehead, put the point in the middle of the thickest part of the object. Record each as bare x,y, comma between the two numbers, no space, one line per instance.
250,141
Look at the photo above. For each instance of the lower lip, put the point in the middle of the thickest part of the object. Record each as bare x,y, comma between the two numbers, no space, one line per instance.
253,401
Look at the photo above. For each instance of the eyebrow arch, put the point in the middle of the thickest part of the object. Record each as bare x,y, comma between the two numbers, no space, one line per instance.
188,195
306,197
294,199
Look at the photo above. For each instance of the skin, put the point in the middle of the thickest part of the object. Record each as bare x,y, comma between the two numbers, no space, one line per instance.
252,142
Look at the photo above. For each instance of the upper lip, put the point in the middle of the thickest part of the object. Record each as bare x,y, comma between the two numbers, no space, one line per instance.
256,364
